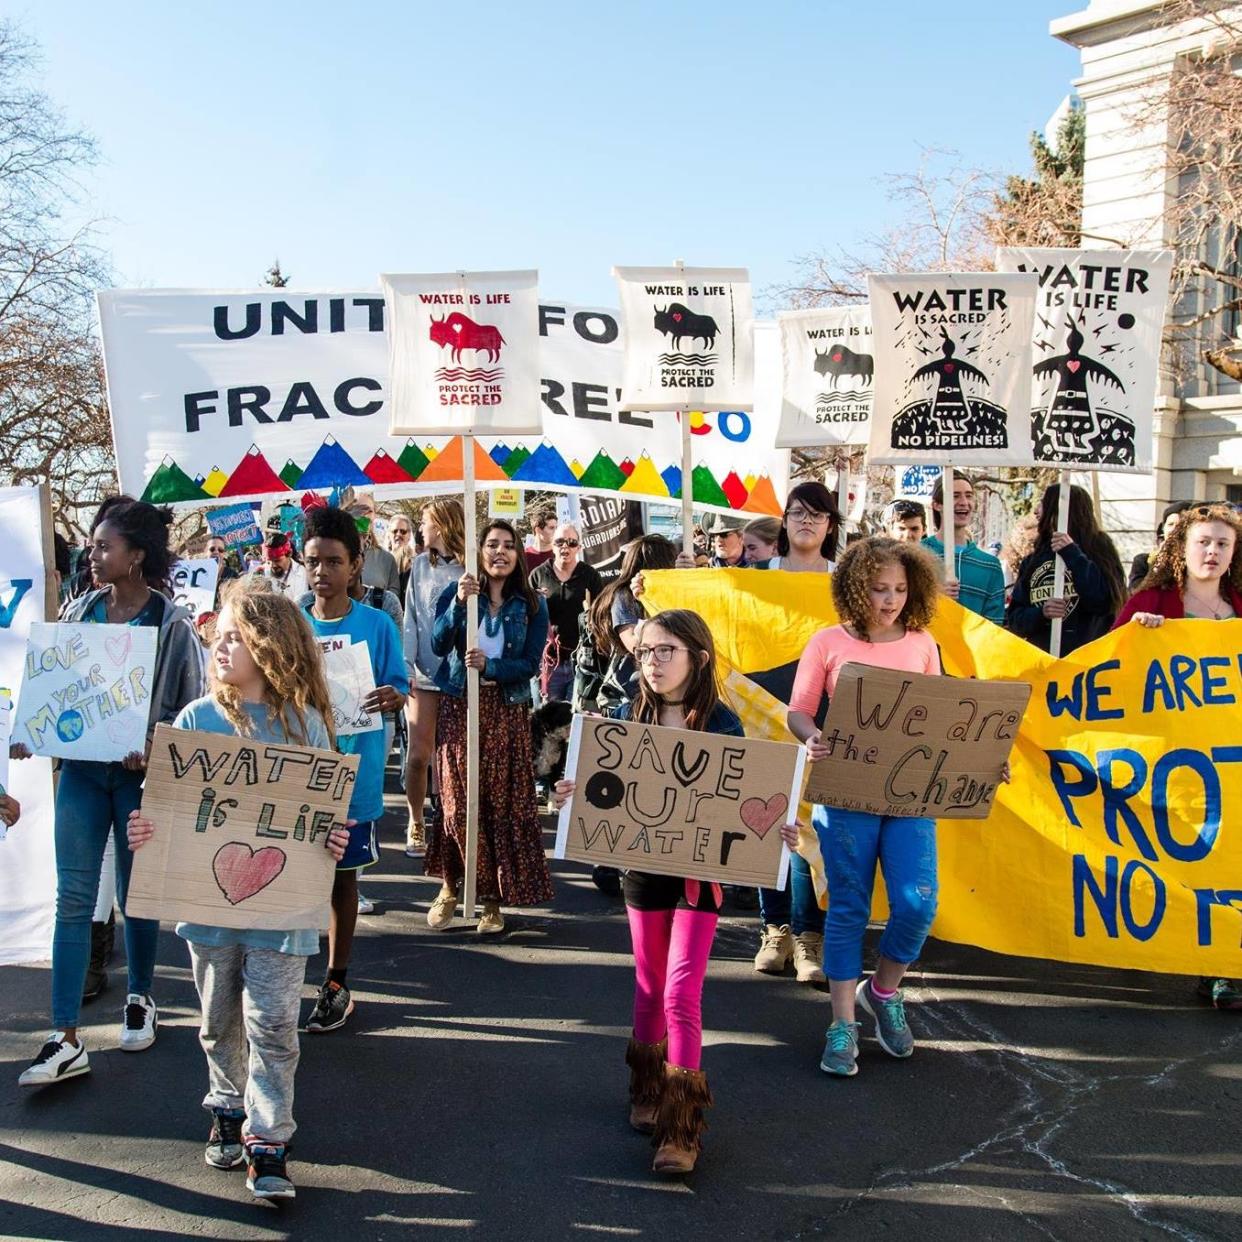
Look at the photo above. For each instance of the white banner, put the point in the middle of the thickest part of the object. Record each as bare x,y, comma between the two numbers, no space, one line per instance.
953,383
463,353
86,690
188,373
687,338
27,854
1099,318
827,376
194,585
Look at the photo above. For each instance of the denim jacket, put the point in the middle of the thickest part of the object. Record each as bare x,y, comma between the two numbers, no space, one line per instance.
525,637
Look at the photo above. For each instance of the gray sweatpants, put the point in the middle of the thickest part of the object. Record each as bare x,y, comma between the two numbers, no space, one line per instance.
250,1000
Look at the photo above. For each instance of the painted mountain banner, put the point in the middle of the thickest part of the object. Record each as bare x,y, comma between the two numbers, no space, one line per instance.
953,381
1111,845
241,830
687,338
1099,317
827,376
268,395
463,353
27,855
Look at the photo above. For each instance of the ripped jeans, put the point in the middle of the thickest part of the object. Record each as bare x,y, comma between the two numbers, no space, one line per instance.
852,842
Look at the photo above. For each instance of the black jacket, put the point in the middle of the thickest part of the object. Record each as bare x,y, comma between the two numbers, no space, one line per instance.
1090,606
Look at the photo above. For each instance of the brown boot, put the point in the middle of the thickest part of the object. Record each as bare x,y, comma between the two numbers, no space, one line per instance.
646,1062
679,1126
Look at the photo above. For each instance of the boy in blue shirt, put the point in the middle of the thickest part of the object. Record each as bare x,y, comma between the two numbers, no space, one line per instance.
332,555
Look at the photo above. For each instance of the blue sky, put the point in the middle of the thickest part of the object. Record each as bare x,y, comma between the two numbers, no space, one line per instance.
350,140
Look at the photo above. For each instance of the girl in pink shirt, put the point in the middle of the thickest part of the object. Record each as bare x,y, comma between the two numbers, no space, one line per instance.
885,592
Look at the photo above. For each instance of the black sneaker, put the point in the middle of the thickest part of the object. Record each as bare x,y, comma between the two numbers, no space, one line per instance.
266,1174
224,1143
332,1009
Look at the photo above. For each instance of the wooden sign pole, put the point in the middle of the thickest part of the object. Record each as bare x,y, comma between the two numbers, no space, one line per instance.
1058,572
51,593
472,682
687,463
843,494
947,533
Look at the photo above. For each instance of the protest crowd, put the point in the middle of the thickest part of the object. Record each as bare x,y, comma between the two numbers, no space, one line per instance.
554,639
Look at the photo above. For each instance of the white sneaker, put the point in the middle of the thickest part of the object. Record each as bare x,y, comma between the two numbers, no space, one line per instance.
365,905
57,1060
138,1023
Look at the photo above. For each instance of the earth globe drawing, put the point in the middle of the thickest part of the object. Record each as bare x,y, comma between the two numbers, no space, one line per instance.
69,725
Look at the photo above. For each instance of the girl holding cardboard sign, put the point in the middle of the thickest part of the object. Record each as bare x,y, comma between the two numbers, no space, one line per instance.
672,921
268,684
885,592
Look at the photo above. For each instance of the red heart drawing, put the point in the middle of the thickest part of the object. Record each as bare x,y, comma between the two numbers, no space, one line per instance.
759,816
1072,367
677,317
949,368
836,357
118,648
241,872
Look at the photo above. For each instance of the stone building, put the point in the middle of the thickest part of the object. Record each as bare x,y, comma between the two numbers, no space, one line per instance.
1129,53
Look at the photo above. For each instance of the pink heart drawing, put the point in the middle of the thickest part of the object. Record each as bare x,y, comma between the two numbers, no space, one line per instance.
759,816
241,872
1072,367
949,368
677,316
121,729
118,648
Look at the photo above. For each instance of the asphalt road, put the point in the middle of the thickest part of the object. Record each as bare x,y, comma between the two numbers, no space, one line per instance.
479,1092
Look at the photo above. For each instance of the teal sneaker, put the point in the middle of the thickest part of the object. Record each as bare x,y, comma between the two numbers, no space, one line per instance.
841,1050
890,1020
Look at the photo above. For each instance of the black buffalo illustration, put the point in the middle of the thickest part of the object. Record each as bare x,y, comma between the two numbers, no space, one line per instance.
678,321
840,360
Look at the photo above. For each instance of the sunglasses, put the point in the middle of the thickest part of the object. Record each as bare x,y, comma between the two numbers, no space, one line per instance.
565,543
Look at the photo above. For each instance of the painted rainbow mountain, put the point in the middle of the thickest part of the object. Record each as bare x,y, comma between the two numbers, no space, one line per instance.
429,467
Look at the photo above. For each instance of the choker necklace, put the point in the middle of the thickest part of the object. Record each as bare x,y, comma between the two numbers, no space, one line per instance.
672,702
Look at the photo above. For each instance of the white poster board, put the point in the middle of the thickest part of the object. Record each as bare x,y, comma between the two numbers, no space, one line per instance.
827,376
463,353
1099,319
194,585
953,380
27,854
688,338
347,668
86,690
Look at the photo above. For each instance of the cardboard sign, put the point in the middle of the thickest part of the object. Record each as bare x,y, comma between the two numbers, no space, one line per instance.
350,677
241,828
234,524
194,585
674,802
86,690
912,745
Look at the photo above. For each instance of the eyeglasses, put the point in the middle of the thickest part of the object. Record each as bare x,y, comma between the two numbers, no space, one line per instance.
565,543
661,654
806,516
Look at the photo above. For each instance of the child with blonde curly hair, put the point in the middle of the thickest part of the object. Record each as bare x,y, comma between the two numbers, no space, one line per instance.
267,683
885,593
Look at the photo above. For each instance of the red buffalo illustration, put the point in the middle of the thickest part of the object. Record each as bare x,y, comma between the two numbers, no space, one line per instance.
460,332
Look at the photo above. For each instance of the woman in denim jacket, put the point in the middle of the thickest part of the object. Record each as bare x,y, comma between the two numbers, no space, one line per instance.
513,627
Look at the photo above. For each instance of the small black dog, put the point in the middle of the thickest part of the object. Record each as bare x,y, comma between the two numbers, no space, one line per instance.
549,741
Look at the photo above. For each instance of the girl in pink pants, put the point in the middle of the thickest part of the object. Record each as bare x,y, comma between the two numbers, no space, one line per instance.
672,920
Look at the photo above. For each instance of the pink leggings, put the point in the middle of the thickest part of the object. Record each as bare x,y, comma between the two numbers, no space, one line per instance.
671,948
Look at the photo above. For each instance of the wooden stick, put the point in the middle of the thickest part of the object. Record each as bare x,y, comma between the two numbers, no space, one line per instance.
687,462
1058,572
51,596
947,533
1095,496
472,683
843,495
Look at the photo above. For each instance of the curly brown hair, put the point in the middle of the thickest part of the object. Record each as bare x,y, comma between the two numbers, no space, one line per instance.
282,644
1168,565
857,568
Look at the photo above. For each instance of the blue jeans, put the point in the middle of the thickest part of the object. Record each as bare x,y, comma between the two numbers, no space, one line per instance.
794,904
852,842
93,800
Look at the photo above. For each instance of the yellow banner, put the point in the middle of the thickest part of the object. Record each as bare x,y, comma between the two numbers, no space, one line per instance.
1119,840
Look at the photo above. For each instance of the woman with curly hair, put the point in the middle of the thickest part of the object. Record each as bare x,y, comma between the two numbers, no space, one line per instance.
885,593
1195,574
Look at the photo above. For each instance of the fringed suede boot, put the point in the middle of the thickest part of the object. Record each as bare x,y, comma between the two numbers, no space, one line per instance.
646,1062
679,1125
